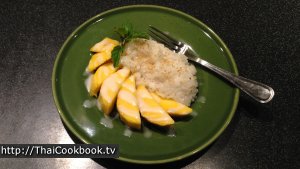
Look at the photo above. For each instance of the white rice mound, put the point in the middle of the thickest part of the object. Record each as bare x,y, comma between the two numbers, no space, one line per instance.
161,70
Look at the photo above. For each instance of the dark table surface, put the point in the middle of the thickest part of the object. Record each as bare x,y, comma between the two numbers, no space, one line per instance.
263,37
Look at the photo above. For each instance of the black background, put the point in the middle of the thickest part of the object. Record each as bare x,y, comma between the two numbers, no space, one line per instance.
263,37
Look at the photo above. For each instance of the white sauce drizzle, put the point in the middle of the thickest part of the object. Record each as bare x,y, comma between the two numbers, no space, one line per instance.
147,133
86,72
89,103
202,99
87,83
171,132
127,132
98,105
194,114
107,122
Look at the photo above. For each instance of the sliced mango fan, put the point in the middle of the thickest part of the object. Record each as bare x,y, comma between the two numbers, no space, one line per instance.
116,85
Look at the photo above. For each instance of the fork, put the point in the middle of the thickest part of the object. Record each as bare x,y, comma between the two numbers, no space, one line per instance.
258,91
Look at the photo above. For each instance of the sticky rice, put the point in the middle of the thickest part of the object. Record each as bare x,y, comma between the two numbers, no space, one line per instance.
161,70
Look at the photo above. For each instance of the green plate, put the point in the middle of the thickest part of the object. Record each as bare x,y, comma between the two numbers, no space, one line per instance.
213,108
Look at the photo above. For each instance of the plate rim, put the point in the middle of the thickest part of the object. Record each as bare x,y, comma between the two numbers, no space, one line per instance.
215,36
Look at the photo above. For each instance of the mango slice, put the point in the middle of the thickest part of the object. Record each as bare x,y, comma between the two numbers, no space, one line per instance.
150,109
103,53
127,104
97,60
106,45
172,107
110,88
101,74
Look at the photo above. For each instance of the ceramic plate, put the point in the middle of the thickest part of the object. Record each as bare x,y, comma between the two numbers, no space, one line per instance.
212,110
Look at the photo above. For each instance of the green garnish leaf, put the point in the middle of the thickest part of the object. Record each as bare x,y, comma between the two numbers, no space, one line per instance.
126,34
116,54
122,32
129,28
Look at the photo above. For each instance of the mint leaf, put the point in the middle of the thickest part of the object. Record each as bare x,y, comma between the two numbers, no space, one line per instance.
125,31
116,54
126,34
129,28
122,32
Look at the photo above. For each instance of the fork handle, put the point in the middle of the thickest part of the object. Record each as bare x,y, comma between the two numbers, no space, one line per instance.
258,91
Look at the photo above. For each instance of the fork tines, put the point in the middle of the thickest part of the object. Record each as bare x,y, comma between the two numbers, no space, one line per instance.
165,39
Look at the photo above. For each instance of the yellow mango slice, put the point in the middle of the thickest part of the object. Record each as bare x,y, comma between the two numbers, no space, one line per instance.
101,74
97,60
110,88
150,109
127,104
106,45
172,107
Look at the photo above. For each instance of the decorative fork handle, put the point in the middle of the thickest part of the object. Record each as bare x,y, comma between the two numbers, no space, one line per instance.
258,91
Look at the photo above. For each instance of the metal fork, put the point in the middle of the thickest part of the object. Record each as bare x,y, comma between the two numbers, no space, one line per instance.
258,91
